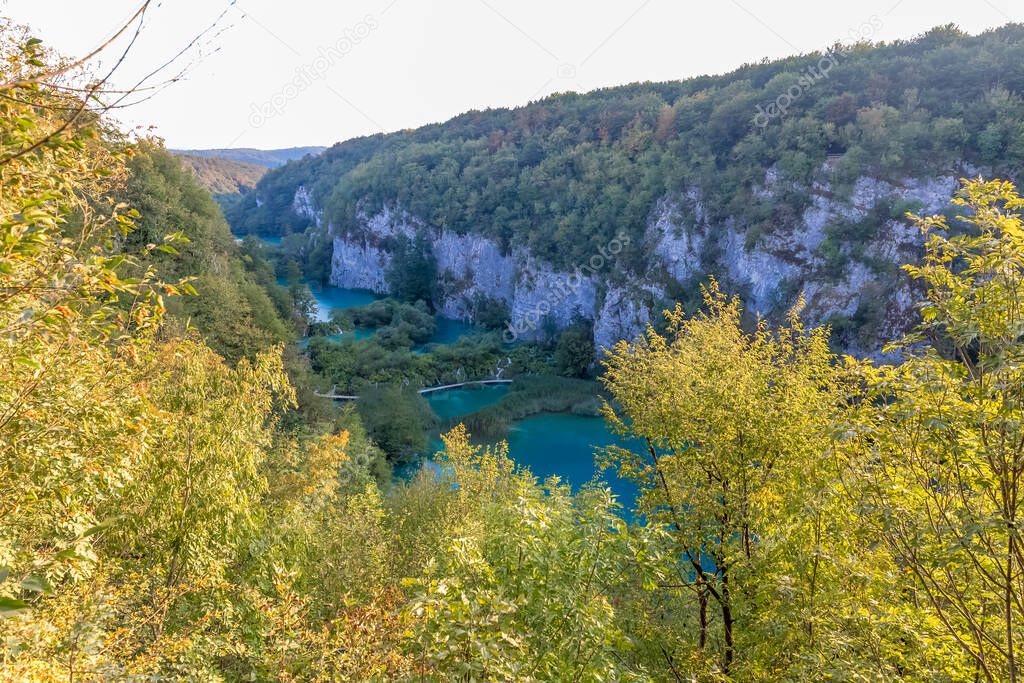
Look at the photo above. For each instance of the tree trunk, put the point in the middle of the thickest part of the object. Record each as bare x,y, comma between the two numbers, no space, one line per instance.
1008,606
702,613
727,622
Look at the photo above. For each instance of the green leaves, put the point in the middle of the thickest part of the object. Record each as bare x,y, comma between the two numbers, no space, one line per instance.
939,449
740,471
12,606
525,587
36,584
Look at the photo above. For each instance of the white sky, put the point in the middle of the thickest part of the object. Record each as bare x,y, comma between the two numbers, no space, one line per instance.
393,64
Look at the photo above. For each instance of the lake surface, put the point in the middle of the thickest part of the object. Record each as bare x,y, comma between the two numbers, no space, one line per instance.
446,331
329,297
563,444
457,402
274,240
559,444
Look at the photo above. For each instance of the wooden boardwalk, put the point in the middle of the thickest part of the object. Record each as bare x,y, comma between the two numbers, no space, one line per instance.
335,396
431,390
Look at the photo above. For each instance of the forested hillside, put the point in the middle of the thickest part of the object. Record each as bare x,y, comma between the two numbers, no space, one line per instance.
562,175
780,177
177,505
223,176
240,308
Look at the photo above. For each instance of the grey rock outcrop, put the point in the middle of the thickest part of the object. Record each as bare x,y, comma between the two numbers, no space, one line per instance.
685,245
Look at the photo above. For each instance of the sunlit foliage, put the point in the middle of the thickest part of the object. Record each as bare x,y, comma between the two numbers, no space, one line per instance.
171,514
939,438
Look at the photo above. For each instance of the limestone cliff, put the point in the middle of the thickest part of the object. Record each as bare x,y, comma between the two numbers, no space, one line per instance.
860,290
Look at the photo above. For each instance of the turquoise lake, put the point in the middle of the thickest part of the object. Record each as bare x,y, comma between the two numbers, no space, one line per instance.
446,331
549,444
457,402
559,444
563,444
329,297
274,240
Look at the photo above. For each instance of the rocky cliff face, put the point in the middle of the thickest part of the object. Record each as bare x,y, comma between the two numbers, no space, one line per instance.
861,287
304,205
470,268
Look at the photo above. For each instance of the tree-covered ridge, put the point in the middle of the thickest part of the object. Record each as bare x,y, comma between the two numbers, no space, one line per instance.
223,176
562,175
239,309
274,215
268,158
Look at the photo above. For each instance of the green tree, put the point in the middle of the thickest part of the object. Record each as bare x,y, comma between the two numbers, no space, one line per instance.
234,312
525,590
413,272
737,466
398,421
77,317
574,352
940,442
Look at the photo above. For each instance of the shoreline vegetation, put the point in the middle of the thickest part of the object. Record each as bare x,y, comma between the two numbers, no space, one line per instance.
531,395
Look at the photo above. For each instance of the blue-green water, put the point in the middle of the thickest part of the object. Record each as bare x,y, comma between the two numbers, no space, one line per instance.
329,297
549,444
446,331
274,240
454,403
563,444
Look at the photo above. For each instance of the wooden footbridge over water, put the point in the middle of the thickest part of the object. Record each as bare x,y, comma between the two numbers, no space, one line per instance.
334,395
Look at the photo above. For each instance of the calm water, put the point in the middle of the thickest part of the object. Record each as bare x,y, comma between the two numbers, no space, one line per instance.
329,297
560,444
563,444
446,331
274,240
456,402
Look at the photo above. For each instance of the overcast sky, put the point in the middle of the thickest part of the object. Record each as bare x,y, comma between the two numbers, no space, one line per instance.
282,73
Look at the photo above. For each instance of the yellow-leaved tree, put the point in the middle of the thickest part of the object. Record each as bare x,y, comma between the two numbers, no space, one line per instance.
938,441
775,578
140,472
75,331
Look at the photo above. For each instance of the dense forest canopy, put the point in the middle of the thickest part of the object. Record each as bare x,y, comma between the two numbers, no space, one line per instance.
176,505
241,309
564,174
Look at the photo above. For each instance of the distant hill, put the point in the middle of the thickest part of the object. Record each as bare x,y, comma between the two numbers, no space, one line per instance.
223,176
270,158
